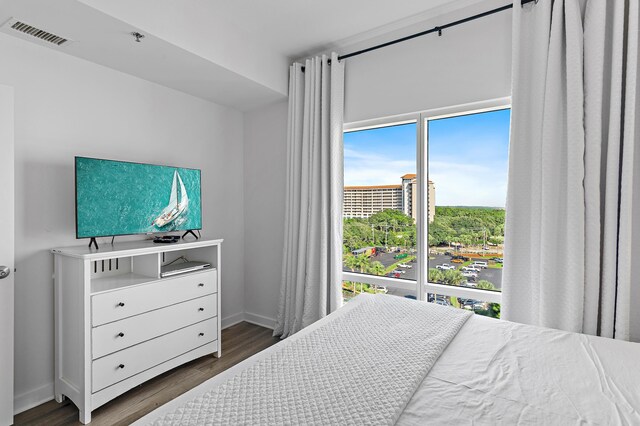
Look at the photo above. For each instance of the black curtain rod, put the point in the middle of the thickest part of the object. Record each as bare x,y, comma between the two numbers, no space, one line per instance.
438,29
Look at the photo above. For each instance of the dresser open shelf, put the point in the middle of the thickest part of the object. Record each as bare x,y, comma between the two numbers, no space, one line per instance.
118,323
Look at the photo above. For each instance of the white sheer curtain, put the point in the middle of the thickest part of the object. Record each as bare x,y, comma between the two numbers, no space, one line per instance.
574,175
312,266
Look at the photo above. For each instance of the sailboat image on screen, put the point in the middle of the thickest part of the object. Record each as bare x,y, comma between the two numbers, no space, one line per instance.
174,210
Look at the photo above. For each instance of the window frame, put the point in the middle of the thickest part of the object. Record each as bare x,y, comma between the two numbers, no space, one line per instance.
421,286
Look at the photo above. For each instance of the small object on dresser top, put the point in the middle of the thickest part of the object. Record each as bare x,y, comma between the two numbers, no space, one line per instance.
167,239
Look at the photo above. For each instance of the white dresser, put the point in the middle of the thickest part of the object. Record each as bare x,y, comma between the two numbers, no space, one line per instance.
118,323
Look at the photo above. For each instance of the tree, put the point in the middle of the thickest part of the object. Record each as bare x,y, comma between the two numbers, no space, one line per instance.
395,218
362,262
466,225
453,277
494,308
435,275
351,262
485,285
376,268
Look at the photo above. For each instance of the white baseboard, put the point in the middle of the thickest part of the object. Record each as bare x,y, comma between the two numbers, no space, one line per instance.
232,320
260,320
33,398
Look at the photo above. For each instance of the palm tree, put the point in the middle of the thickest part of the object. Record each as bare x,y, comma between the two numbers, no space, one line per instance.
453,277
362,262
486,285
376,268
435,276
351,262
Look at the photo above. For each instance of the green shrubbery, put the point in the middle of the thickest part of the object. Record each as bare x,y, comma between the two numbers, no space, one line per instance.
392,228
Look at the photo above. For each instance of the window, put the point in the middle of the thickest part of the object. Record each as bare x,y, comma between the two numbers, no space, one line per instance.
424,203
379,210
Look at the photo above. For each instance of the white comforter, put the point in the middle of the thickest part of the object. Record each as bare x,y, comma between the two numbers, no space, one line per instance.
337,374
499,373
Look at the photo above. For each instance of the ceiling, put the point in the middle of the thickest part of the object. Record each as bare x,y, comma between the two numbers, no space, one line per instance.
296,28
232,52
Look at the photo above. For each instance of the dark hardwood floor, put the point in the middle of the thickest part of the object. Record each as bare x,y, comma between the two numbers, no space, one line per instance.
238,343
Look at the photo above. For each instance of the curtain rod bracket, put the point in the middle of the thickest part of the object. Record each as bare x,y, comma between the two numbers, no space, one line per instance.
439,30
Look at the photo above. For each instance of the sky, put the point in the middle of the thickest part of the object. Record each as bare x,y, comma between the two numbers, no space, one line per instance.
467,157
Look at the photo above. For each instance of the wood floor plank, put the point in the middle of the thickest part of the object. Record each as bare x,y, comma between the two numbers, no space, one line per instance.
239,342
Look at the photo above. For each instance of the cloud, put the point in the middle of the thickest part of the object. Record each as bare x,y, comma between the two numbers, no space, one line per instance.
363,168
468,185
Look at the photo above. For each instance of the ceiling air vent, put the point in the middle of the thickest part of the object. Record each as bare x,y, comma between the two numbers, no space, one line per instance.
38,33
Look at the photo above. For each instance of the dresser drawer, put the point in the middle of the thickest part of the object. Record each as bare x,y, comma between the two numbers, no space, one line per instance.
123,303
118,335
136,359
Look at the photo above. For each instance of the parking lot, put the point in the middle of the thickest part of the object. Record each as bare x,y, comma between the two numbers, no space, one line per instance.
493,275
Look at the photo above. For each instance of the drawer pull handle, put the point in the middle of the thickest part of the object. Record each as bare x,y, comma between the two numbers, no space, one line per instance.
121,366
201,334
121,304
201,285
201,309
121,334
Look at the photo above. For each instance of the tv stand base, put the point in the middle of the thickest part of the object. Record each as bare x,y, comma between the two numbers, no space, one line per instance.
190,231
93,241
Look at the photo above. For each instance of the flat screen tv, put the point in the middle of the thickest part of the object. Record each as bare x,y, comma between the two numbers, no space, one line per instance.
123,198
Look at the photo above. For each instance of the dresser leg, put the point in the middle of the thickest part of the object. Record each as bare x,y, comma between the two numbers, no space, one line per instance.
59,397
85,417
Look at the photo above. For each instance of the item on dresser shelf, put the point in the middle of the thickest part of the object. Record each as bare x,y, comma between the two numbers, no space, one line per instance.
181,268
167,239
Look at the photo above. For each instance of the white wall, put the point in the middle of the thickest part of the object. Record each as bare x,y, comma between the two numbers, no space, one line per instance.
64,107
264,190
469,63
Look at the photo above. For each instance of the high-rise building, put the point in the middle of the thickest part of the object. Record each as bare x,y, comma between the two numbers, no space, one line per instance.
410,196
364,201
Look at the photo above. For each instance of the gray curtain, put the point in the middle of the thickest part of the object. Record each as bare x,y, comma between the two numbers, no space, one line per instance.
312,264
574,175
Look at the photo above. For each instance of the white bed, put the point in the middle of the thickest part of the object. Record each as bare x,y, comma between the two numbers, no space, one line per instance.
496,372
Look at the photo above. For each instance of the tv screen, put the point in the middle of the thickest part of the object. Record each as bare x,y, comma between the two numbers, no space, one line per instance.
122,198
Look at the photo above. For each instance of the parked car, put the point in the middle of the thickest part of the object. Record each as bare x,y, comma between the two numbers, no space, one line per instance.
445,267
405,265
480,263
498,259
399,271
473,304
457,261
457,256
432,297
471,275
471,268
